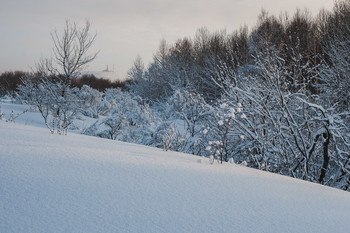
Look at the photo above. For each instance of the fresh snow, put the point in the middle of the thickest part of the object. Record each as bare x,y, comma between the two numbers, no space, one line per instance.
76,183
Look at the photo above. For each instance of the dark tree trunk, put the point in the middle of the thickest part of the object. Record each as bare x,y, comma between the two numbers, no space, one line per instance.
327,136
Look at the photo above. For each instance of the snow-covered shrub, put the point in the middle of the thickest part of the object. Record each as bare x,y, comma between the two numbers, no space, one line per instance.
274,129
189,111
57,103
167,136
110,100
223,134
125,118
89,101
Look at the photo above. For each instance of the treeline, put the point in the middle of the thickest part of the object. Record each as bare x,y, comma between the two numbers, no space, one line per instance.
11,80
303,43
100,84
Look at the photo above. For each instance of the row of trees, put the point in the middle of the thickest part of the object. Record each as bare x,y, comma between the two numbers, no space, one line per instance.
11,80
302,41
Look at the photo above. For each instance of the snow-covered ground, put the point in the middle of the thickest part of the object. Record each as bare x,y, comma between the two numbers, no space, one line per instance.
76,183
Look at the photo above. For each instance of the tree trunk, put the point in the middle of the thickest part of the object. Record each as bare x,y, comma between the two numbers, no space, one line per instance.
327,136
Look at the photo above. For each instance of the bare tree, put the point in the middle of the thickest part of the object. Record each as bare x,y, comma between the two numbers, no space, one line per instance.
71,50
71,53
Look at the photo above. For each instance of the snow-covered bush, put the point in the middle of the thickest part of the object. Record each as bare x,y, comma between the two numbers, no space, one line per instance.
57,103
274,129
224,136
89,101
125,118
167,136
191,111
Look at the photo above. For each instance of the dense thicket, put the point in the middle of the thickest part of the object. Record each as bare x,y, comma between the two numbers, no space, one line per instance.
277,97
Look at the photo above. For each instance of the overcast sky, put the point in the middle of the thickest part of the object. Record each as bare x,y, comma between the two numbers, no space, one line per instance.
125,28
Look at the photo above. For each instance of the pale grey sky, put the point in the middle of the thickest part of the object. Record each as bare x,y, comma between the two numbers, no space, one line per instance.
125,28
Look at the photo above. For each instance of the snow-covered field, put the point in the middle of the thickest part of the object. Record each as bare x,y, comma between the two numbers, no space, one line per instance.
76,183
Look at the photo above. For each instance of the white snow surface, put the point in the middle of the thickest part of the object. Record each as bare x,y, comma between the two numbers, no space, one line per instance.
76,183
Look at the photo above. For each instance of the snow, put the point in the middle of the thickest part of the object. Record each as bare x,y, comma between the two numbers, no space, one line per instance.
76,183
17,110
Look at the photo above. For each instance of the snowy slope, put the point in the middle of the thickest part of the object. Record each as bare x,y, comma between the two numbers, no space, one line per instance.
74,183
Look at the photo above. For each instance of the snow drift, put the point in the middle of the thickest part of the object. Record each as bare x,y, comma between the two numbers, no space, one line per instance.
74,183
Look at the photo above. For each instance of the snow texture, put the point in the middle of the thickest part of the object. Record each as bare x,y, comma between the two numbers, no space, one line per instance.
75,183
